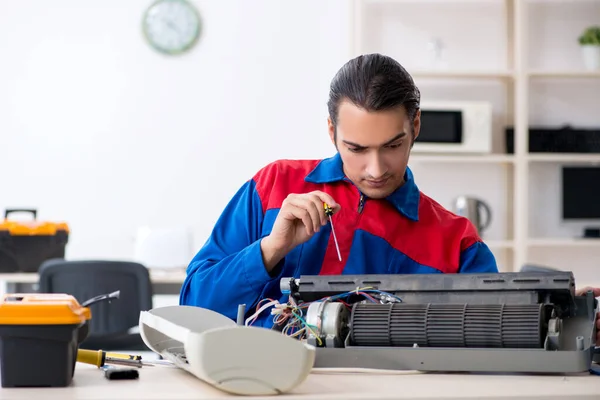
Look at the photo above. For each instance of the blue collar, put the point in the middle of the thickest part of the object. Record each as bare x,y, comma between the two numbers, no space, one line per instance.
405,199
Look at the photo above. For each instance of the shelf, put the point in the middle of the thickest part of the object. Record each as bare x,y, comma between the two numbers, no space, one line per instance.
570,2
574,74
568,74
434,74
499,244
517,100
477,2
565,157
566,242
582,158
463,158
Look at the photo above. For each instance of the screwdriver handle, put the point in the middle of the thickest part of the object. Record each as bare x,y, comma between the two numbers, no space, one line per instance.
97,358
329,213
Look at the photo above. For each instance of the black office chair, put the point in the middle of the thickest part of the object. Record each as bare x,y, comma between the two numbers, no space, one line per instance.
112,323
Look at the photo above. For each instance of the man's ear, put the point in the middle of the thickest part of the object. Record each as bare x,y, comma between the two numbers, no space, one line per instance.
416,125
331,130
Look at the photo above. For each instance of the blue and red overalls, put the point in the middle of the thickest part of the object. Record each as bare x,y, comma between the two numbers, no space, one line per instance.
406,233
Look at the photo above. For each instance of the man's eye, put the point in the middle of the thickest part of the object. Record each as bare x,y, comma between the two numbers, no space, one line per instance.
355,149
395,145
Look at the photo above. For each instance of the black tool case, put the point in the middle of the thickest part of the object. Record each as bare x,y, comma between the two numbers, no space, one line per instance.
25,245
39,338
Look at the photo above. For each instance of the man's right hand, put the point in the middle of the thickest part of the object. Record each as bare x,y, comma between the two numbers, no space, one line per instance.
300,217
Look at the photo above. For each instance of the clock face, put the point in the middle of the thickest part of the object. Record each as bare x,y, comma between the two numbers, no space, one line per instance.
171,26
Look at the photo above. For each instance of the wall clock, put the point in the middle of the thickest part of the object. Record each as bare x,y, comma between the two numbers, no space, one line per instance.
171,26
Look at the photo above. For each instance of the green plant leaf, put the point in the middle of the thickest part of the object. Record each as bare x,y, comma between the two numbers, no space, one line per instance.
590,36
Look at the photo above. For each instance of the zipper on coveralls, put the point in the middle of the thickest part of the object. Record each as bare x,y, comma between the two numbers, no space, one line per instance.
361,203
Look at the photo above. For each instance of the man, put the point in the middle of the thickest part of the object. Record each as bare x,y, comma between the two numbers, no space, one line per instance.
275,226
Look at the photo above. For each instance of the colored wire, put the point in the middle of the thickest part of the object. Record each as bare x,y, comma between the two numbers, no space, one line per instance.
290,314
365,292
298,327
253,317
309,327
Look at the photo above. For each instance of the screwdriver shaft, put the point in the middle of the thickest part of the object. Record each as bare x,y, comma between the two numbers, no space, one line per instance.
337,247
329,213
130,363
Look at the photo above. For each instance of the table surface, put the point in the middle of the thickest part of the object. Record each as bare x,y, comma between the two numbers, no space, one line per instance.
168,382
175,275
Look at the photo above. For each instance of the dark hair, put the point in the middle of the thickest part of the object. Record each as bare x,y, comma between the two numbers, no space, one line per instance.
373,82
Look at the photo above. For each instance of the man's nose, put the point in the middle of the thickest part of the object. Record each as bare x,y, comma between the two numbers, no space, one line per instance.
376,168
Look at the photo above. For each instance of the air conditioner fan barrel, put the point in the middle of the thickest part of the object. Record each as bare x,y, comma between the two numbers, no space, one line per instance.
448,325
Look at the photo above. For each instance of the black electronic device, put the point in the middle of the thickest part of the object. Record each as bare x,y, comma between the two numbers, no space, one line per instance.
591,233
441,126
581,196
557,140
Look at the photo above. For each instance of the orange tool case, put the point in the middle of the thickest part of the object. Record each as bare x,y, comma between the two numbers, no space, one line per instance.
25,245
39,337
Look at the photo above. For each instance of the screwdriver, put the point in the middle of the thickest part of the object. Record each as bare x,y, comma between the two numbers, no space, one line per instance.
101,358
329,213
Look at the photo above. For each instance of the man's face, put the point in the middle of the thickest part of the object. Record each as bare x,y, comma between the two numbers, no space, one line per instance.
374,147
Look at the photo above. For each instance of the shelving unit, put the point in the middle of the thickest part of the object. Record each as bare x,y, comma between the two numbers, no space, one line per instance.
571,158
517,75
500,244
425,74
563,74
594,243
462,159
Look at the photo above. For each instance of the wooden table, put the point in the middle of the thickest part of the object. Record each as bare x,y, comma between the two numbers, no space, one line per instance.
167,382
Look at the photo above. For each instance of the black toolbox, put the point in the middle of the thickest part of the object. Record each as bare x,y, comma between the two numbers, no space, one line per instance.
25,245
40,335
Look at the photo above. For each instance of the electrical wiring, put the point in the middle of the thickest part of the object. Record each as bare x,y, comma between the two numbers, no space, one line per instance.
296,326
365,292
309,327
259,311
290,315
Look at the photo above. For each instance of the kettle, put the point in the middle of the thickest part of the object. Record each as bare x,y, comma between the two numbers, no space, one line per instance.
475,210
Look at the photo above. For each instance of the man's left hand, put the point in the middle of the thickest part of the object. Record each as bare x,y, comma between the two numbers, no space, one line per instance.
596,291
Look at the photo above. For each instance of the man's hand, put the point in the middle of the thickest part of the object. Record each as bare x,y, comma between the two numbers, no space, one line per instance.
300,217
596,292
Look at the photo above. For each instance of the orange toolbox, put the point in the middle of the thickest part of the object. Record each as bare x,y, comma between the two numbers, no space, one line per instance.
40,334
25,245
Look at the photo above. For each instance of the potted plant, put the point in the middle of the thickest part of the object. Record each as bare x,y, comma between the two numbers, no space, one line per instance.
590,47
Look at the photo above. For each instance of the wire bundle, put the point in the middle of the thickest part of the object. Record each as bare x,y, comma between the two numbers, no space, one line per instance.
290,314
369,293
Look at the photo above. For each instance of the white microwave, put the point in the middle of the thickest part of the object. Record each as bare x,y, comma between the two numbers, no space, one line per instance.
455,127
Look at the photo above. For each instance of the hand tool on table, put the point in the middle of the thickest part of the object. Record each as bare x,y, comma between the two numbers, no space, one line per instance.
100,358
329,213
114,373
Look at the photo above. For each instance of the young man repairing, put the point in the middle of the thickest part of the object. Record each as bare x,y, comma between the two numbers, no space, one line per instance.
275,226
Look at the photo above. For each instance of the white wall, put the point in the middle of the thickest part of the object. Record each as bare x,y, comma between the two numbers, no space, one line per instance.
473,32
99,130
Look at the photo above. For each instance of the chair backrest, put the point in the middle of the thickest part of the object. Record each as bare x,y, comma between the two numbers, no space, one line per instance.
87,279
